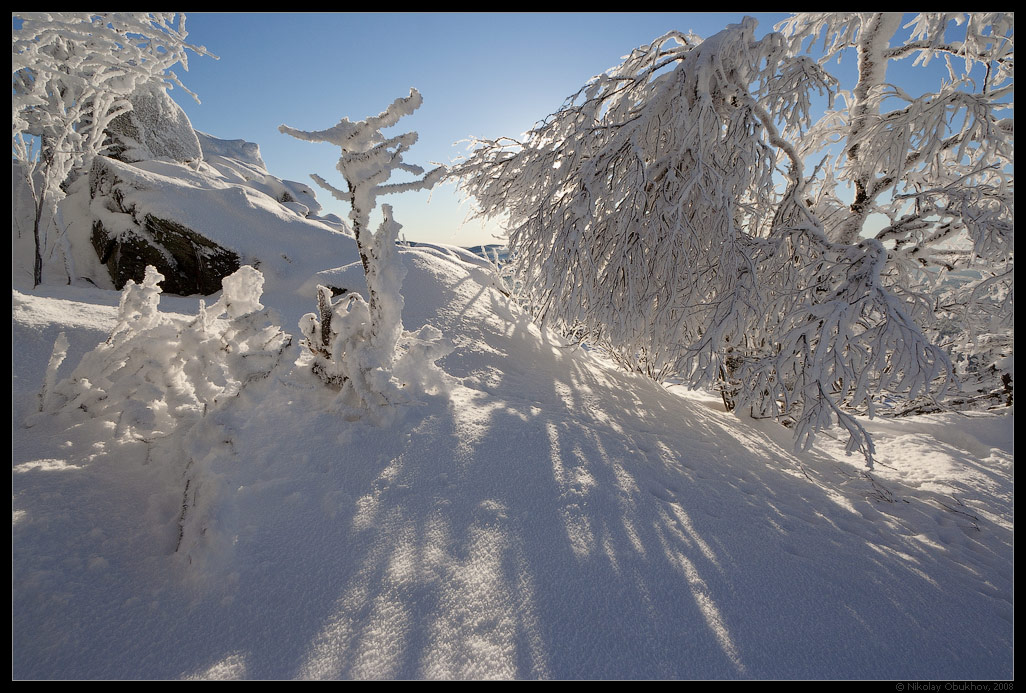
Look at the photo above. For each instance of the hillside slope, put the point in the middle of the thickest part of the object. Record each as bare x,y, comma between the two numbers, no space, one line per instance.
536,514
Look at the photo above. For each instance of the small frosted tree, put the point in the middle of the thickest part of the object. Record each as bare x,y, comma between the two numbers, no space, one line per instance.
647,218
355,342
72,75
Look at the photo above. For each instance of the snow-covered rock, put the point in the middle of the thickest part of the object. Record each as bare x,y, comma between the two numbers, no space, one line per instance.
155,128
239,161
127,241
240,150
194,225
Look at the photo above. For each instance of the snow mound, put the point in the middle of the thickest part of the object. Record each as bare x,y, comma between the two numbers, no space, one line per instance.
542,515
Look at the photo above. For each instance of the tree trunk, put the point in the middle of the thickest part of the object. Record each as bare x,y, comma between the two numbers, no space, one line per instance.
37,262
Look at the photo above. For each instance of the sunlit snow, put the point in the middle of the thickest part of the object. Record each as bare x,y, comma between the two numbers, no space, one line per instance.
543,515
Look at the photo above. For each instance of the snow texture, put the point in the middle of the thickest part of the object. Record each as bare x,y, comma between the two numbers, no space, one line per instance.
546,515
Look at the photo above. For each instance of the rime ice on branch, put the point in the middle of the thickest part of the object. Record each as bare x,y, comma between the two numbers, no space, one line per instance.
355,343
646,217
936,164
72,74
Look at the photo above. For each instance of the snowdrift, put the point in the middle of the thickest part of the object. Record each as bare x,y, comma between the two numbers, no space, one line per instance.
535,513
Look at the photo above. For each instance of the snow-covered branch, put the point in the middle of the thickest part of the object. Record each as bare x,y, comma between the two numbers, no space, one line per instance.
938,165
647,219
355,344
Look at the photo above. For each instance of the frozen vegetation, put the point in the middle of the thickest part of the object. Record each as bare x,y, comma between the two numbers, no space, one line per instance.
282,479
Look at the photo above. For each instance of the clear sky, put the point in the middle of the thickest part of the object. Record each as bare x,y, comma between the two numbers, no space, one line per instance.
484,75
481,75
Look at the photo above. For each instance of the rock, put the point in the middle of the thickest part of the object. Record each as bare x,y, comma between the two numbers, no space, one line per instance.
156,127
196,265
190,262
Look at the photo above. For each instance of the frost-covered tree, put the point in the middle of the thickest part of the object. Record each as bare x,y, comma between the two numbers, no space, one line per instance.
73,73
355,343
661,213
935,168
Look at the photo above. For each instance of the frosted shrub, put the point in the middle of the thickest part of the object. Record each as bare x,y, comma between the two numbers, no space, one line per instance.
356,343
372,366
158,370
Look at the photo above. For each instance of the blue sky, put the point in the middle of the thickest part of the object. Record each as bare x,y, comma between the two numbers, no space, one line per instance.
484,75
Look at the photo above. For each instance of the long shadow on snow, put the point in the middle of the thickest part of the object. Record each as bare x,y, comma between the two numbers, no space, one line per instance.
589,524
553,519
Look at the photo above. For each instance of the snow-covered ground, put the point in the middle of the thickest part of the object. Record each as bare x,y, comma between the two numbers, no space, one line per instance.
536,514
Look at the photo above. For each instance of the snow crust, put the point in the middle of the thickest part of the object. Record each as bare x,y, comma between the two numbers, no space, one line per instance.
542,515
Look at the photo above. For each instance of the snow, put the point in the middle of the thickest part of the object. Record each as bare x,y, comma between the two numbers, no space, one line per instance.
183,510
539,514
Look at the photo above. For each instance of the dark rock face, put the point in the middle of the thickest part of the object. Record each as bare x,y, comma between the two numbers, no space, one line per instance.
190,263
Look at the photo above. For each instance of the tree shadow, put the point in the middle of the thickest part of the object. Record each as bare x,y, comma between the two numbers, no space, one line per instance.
548,518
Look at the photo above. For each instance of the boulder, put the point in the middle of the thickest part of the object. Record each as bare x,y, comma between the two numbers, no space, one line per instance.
155,128
126,243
